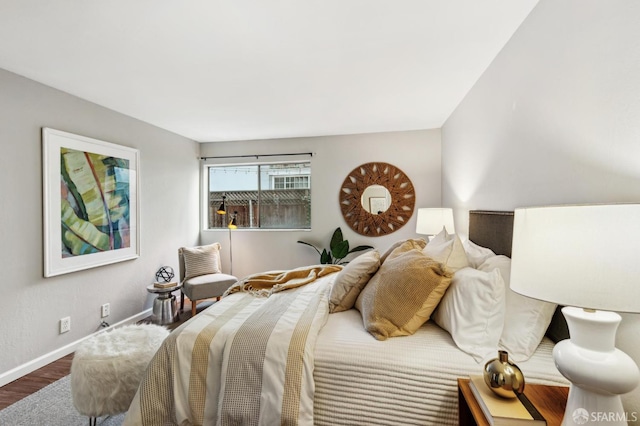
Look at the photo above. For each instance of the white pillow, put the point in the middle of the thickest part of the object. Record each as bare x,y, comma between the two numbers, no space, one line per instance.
447,249
472,311
476,255
526,319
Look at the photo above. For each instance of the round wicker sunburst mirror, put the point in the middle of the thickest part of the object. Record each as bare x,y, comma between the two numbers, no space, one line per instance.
376,199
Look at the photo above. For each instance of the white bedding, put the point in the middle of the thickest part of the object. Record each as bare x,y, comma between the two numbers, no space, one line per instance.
400,381
358,380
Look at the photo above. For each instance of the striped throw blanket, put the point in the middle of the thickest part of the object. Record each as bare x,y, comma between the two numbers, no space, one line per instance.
247,360
265,284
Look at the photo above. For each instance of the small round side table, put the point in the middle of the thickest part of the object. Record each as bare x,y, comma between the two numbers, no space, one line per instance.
165,307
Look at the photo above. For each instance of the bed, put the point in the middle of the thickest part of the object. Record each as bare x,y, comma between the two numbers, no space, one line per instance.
225,366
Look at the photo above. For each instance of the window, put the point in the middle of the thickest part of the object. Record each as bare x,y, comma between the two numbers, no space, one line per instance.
290,182
261,196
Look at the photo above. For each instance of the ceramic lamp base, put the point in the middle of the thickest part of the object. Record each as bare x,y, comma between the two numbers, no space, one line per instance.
599,373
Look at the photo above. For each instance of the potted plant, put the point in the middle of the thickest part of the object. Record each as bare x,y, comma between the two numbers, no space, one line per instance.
338,249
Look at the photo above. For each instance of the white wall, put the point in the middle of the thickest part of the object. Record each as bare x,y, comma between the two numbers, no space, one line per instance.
416,153
31,305
555,119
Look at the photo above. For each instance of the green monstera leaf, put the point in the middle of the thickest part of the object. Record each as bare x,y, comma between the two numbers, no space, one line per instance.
340,250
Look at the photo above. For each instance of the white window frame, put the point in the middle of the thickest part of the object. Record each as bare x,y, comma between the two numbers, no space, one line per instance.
204,191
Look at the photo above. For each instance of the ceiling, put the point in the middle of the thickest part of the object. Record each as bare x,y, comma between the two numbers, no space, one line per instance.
214,70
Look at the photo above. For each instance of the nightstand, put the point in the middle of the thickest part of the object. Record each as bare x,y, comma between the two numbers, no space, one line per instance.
549,400
165,308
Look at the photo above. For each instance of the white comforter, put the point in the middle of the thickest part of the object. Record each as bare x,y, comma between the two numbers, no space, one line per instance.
409,380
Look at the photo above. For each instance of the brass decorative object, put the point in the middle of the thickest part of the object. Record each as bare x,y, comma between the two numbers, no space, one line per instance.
377,223
504,377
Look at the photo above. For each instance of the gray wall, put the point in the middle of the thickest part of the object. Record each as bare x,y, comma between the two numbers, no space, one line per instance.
31,305
170,178
416,153
555,119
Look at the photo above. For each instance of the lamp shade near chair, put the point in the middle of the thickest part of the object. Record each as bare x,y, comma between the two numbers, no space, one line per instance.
585,257
223,206
431,221
201,274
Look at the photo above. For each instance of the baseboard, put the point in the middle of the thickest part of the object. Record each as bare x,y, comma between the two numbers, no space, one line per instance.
48,358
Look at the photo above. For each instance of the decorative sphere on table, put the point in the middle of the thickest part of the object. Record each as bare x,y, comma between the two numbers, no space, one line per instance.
503,377
165,273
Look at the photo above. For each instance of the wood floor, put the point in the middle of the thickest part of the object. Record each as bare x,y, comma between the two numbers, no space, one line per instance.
33,382
38,379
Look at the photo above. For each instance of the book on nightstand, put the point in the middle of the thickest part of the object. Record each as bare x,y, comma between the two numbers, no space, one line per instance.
164,285
502,411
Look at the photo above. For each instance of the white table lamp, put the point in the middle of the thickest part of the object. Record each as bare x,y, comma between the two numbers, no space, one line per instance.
431,221
587,258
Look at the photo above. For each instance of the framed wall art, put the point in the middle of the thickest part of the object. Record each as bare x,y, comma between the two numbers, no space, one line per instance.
91,202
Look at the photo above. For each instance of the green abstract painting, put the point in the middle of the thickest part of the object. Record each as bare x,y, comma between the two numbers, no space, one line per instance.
95,202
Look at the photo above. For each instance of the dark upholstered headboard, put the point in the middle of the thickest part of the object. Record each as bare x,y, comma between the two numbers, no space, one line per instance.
494,230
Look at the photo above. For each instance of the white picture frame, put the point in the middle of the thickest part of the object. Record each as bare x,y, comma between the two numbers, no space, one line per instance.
377,205
91,202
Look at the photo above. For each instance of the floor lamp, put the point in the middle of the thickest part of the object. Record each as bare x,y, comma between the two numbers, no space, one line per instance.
586,259
233,224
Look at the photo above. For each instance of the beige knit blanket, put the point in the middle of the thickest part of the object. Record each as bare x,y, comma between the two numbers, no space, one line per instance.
245,361
264,284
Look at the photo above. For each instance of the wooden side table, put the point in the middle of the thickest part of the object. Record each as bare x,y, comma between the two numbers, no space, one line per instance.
549,400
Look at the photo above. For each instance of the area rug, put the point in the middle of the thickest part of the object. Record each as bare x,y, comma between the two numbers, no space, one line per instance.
51,406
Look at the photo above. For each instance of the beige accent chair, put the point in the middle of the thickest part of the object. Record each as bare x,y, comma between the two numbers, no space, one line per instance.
202,286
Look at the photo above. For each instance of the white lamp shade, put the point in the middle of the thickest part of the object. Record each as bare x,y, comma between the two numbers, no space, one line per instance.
586,256
431,221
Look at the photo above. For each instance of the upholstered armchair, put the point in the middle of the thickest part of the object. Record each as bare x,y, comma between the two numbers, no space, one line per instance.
201,274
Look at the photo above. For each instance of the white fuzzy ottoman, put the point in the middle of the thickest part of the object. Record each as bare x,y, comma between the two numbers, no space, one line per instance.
107,368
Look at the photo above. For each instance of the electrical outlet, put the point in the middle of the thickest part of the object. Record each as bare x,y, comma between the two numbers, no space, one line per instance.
106,310
65,324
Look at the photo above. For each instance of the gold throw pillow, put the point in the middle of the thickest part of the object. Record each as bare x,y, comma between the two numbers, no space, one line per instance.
418,242
403,294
